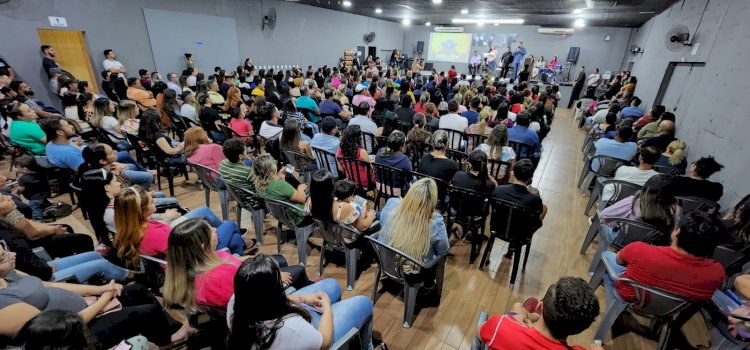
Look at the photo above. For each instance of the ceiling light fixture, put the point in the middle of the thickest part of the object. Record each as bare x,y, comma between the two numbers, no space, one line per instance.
579,23
577,11
378,11
437,1
347,3
487,21
480,23
427,23
497,24
464,11
406,22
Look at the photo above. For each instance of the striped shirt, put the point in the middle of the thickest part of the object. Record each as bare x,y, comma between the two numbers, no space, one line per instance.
239,175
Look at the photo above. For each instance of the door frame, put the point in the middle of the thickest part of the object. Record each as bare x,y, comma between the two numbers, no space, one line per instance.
668,76
89,62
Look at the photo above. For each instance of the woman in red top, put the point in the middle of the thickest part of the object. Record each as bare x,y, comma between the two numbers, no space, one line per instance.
200,150
199,275
238,122
351,147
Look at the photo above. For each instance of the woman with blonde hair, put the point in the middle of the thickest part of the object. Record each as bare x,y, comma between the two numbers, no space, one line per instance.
424,98
674,155
281,186
480,128
104,109
127,117
496,147
411,225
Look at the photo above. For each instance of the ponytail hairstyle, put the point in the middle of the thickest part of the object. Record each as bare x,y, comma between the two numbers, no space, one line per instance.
419,121
478,162
677,148
740,217
484,116
395,142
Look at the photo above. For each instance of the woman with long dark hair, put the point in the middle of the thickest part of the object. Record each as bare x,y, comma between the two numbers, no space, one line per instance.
351,147
152,130
393,156
313,317
291,138
476,178
334,202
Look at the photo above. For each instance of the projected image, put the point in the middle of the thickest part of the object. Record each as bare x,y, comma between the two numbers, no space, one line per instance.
449,47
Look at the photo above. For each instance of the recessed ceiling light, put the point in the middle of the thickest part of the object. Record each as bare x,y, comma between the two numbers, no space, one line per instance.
427,24
579,23
347,3
480,23
378,10
577,11
464,11
487,21
497,24
437,1
406,21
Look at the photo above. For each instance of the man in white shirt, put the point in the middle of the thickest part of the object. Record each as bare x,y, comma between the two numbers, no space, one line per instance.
592,81
362,118
112,65
635,174
173,83
187,110
270,129
454,121
192,79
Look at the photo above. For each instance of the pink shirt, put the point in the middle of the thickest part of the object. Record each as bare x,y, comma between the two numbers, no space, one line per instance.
154,242
209,155
216,286
241,126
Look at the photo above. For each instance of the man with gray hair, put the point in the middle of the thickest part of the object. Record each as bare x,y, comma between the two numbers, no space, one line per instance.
173,83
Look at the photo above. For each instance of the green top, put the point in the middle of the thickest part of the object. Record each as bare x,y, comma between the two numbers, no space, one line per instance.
282,191
239,175
28,135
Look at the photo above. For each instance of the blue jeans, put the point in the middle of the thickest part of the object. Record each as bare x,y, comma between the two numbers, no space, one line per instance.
610,291
123,145
204,213
124,157
139,177
491,65
228,232
36,203
516,69
161,199
353,312
86,265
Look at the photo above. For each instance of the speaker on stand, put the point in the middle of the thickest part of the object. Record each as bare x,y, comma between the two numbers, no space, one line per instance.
420,48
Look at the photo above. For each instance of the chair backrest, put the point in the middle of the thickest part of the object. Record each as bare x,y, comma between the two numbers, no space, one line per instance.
141,154
442,187
369,142
415,151
403,126
697,203
207,175
499,170
458,156
474,141
281,211
468,204
189,123
512,222
455,138
337,235
621,189
732,260
605,166
306,112
655,302
298,159
228,132
388,179
668,170
392,260
522,150
272,147
629,231
245,198
358,171
326,160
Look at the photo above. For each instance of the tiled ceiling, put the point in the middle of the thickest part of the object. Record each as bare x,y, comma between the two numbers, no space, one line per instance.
557,13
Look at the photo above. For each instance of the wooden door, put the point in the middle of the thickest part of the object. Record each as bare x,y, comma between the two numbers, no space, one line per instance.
72,53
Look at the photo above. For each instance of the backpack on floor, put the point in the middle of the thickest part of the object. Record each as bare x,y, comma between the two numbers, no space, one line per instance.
56,211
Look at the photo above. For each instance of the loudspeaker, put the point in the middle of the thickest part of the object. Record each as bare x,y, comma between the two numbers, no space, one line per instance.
420,47
573,54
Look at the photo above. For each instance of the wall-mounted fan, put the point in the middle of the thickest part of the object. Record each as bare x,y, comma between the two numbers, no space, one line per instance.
677,38
369,37
269,19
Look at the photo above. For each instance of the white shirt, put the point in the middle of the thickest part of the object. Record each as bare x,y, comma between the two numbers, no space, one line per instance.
630,174
535,127
192,80
269,131
188,111
593,80
108,123
295,334
454,122
512,116
174,87
109,64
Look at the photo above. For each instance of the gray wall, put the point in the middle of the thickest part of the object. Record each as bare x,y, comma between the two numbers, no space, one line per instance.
303,34
715,121
595,52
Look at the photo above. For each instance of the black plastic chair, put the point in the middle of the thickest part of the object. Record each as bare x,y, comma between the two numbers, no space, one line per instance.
165,169
668,170
282,212
416,151
253,203
369,143
459,157
341,238
697,203
351,168
523,150
208,178
472,210
141,151
621,189
386,178
511,223
456,139
403,126
391,262
229,133
442,187
499,170
326,160
475,140
59,178
303,163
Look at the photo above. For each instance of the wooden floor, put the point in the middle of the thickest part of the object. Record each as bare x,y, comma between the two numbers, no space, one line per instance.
468,291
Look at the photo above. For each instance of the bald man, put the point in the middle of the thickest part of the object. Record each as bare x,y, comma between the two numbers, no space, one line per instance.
665,136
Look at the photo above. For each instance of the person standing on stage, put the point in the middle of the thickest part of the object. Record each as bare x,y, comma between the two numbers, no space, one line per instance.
506,60
491,58
474,63
518,56
578,86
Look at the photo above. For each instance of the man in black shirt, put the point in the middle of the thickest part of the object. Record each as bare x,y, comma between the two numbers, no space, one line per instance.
665,137
517,191
48,62
6,69
578,86
404,112
697,184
